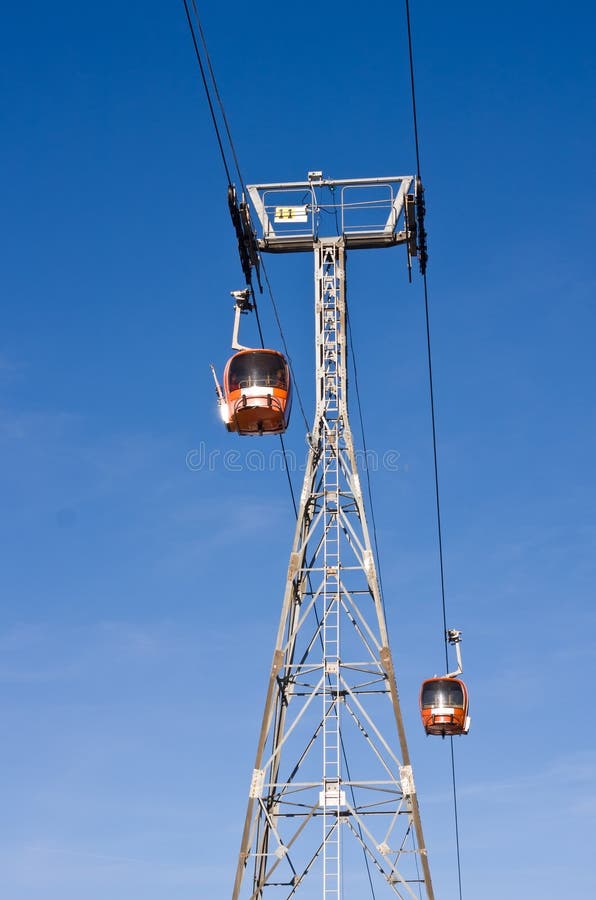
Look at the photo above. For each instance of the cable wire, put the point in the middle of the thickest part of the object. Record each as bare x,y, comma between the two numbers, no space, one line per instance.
229,179
283,447
434,436
413,86
278,320
283,340
257,317
241,179
353,795
207,91
455,816
217,94
436,469
366,468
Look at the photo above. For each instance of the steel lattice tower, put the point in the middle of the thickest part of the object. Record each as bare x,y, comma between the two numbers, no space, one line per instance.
332,808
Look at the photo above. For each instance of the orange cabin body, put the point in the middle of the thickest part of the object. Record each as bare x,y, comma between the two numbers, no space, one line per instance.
257,393
444,706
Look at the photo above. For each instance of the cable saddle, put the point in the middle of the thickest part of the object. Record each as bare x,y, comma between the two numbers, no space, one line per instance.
247,242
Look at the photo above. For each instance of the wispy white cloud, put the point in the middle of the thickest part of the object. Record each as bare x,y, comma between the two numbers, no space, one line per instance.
219,524
572,778
89,872
46,652
43,654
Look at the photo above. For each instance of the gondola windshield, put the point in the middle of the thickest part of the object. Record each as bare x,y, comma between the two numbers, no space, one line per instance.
259,368
445,692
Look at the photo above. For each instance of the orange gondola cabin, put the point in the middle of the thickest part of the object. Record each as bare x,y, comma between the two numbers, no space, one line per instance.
444,706
257,393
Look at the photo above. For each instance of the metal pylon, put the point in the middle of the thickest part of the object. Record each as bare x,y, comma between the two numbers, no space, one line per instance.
332,807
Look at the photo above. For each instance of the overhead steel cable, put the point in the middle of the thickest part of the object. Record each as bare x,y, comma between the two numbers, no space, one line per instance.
289,477
366,468
223,154
376,545
257,317
243,185
353,795
434,433
284,342
217,94
207,91
436,470
236,164
413,86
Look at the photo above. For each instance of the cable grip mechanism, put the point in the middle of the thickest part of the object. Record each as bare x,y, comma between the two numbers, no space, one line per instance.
245,235
242,305
453,636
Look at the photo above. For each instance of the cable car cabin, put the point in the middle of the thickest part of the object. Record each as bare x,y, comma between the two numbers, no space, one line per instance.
257,393
444,706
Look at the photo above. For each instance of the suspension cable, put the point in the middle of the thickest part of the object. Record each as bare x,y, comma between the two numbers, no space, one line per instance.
243,185
257,317
353,795
217,94
434,437
283,447
413,86
207,91
366,468
222,151
277,317
455,815
283,340
436,468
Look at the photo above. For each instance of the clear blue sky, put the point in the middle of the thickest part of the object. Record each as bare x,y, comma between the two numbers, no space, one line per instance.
136,627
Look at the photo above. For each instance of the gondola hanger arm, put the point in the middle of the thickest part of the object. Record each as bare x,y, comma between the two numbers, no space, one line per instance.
454,638
241,306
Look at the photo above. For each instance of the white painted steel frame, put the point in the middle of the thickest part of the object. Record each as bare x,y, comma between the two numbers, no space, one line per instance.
332,699
330,196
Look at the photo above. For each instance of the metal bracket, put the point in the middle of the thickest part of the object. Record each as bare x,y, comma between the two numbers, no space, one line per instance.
420,214
370,221
411,231
241,307
247,243
454,638
406,777
256,784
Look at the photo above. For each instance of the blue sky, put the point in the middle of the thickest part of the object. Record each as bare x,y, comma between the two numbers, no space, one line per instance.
140,596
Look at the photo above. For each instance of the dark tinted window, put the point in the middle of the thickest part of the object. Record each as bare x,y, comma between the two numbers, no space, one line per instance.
257,369
446,692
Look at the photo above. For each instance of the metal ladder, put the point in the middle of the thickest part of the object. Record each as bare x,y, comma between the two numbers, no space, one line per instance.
331,794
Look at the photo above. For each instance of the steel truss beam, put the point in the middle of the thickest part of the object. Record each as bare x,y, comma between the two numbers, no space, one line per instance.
331,795
367,212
